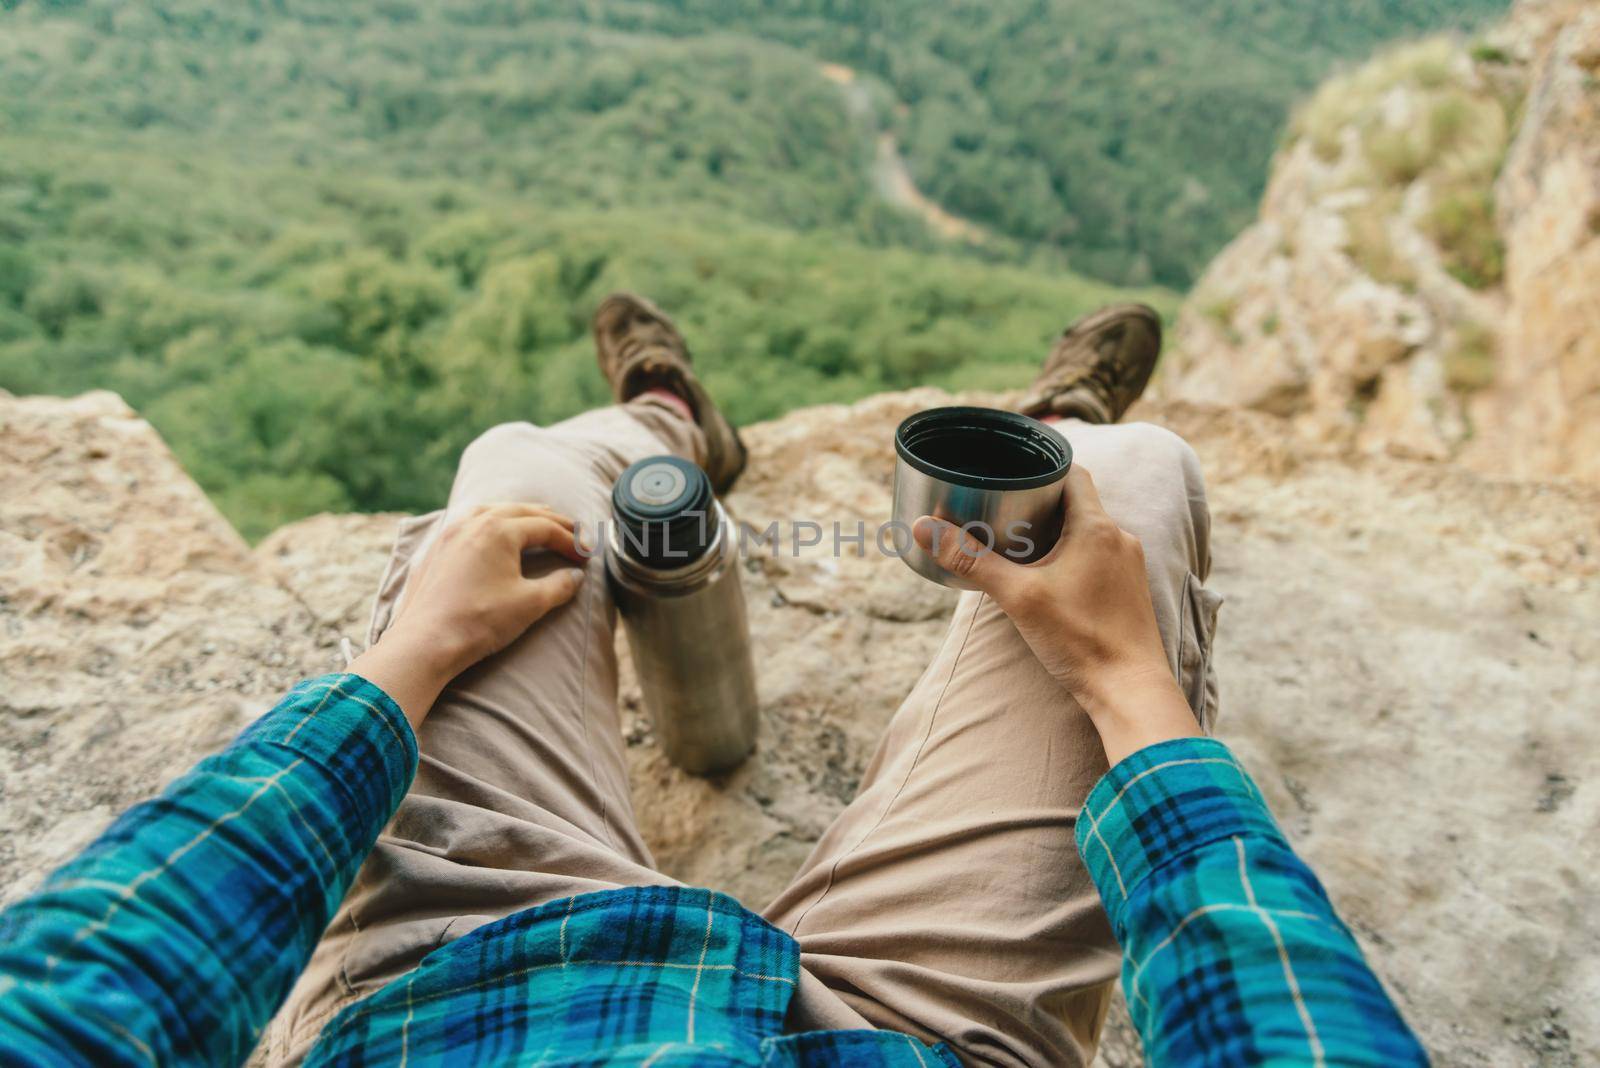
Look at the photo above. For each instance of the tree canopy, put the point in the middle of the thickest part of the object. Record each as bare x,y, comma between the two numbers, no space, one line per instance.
322,243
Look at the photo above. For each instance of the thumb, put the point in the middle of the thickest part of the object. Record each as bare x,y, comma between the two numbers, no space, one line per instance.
1082,497
960,552
542,594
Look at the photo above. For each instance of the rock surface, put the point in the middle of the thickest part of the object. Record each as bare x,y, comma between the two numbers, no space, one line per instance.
1422,277
1409,658
1549,197
137,631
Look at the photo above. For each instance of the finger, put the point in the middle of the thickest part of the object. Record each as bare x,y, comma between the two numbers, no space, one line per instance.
525,510
960,552
1082,498
541,532
542,594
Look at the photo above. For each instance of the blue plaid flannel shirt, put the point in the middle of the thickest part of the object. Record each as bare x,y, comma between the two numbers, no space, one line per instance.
1232,953
179,932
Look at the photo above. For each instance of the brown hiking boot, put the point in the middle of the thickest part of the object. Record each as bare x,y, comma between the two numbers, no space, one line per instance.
1099,366
639,349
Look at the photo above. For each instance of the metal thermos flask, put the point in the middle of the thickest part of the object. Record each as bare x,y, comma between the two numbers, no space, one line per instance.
672,561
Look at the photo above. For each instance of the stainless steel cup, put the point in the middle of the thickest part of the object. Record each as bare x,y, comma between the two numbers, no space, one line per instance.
997,474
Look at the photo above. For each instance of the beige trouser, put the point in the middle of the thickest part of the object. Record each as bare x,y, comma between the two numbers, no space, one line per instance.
947,900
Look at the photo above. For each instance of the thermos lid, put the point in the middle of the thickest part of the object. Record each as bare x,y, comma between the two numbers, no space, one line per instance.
663,508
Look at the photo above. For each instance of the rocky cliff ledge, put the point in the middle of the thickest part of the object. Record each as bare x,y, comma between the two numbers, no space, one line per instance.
1409,657
1424,278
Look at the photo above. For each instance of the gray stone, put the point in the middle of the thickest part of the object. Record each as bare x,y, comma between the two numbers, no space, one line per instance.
1409,658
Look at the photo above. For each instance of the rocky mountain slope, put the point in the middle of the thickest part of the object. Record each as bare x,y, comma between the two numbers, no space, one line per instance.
1423,276
1393,381
1409,655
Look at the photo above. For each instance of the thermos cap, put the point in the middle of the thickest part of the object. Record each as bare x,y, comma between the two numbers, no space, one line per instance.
658,484
664,509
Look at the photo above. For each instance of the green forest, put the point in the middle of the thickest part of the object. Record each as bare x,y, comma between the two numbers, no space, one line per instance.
321,244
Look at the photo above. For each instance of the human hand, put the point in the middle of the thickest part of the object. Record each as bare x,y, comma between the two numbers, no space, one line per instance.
469,599
1085,611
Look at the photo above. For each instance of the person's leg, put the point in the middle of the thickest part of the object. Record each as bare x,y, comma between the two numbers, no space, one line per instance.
522,793
948,900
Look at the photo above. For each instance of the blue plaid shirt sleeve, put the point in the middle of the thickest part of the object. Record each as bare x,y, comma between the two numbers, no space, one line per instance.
1232,952
176,935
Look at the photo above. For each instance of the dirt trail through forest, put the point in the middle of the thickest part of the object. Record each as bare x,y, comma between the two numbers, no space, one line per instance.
890,174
